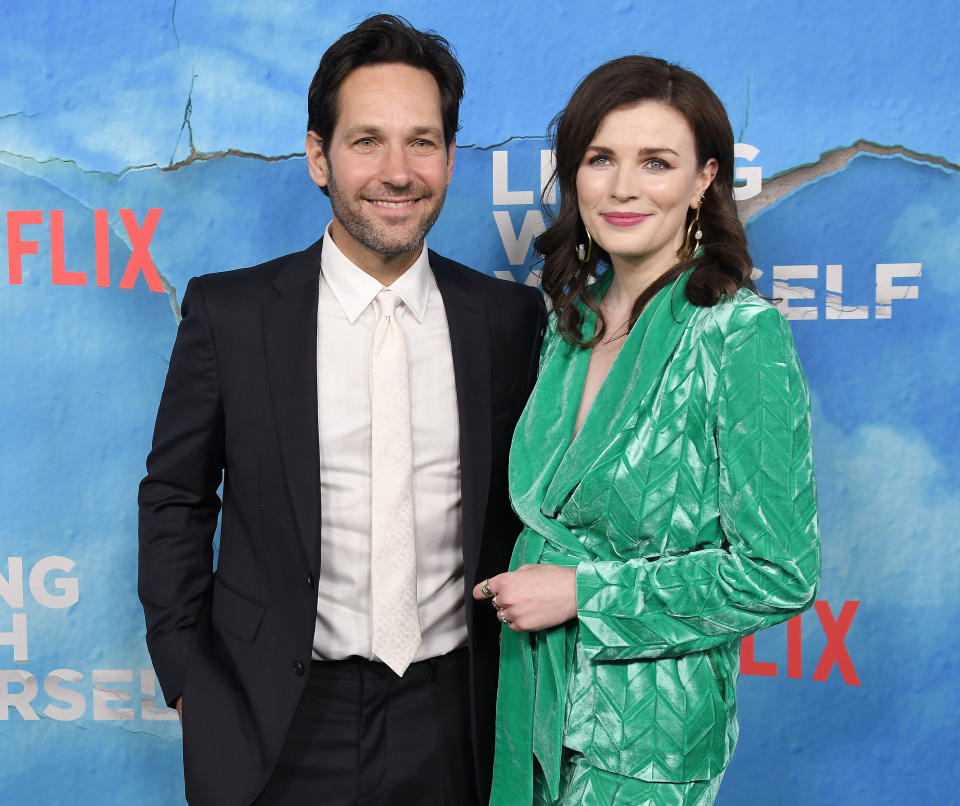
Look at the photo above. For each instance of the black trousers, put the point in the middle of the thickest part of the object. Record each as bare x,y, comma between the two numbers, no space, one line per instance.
362,736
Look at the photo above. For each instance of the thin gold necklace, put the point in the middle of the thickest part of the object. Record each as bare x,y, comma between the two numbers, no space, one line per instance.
617,333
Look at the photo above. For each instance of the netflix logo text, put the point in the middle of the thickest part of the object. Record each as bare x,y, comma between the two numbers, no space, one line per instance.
835,653
25,228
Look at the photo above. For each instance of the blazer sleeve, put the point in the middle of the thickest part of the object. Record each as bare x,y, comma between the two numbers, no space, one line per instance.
541,328
178,499
768,566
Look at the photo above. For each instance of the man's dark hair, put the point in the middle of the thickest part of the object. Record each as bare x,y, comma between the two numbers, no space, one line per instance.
384,39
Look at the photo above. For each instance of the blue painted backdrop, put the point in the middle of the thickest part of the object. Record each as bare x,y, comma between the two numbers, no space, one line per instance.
198,109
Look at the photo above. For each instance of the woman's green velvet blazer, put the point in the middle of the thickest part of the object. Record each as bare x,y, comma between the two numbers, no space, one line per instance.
687,504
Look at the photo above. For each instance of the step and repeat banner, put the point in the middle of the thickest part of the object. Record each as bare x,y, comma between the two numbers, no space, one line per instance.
142,146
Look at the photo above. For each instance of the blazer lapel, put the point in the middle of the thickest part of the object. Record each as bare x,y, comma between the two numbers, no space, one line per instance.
641,361
289,319
469,345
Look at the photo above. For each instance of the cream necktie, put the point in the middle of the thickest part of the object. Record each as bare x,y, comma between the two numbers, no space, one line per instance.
396,621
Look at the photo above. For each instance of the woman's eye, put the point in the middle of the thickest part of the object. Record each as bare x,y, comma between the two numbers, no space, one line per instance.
658,164
598,159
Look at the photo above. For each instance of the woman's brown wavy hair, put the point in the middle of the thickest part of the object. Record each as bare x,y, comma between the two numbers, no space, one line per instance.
722,266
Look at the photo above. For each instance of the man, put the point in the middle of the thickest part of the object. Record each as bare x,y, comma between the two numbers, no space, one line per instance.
357,400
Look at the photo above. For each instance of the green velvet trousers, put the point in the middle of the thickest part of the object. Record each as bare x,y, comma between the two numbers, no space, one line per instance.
582,784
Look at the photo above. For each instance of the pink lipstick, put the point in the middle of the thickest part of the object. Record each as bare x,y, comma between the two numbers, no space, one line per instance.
624,219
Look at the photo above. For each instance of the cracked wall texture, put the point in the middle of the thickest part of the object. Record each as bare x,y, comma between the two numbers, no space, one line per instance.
199,109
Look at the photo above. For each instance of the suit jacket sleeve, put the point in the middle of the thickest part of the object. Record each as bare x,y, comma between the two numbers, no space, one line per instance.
178,498
538,342
768,566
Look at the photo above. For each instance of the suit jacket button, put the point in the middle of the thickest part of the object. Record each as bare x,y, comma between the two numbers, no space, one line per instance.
310,581
298,668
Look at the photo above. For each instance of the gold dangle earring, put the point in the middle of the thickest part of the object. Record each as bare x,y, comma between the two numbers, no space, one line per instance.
584,252
689,250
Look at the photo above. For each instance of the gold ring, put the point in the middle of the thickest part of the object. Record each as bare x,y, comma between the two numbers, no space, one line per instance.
502,617
485,589
493,601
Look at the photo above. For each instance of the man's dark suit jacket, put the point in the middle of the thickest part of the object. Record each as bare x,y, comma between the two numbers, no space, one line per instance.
240,402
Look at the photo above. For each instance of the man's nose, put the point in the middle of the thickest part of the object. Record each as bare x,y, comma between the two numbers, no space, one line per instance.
395,167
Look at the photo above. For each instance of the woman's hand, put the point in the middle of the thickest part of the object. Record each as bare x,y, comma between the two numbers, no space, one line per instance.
533,597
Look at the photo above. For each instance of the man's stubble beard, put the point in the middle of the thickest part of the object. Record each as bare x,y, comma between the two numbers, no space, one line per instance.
350,215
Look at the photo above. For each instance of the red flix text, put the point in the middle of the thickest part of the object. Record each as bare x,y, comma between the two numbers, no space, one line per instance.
21,242
834,654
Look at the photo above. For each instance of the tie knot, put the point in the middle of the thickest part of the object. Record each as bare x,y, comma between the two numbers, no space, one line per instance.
387,302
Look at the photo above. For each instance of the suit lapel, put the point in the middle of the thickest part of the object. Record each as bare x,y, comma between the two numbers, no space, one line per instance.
641,361
469,345
289,317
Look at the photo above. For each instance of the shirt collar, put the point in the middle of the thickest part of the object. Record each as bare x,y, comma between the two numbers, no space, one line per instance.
354,289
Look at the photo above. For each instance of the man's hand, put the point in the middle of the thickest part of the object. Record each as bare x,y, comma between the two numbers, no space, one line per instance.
534,596
180,708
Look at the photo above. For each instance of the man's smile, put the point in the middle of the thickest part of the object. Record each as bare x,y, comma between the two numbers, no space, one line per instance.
401,204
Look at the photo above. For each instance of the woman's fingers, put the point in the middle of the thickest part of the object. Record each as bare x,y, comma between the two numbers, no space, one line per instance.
532,597
486,589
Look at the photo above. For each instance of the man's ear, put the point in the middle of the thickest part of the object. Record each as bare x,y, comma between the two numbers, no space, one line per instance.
451,152
317,159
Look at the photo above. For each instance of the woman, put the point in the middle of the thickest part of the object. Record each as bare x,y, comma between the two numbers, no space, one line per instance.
662,466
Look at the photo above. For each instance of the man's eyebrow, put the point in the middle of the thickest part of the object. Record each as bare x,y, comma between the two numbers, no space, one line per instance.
431,130
362,130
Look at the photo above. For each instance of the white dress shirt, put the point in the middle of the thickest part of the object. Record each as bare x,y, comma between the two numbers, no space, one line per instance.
346,318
